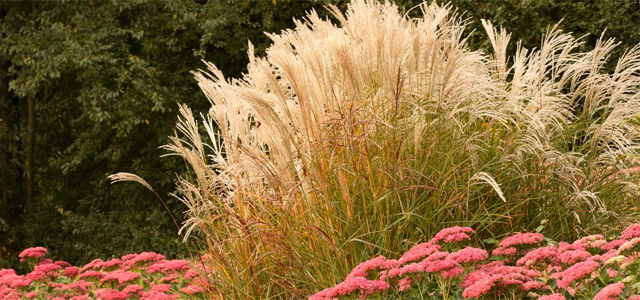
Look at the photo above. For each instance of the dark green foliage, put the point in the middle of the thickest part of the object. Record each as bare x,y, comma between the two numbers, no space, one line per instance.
105,96
528,21
106,77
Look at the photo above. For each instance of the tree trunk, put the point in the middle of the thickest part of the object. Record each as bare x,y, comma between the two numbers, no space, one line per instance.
11,198
5,143
10,174
29,167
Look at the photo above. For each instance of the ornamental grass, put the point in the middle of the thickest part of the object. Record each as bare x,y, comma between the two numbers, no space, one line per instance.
356,139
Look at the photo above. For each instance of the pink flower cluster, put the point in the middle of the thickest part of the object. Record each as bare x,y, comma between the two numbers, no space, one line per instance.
35,252
379,274
452,235
610,292
524,267
517,244
144,276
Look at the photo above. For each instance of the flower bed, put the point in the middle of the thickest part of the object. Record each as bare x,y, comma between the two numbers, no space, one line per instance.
144,276
522,266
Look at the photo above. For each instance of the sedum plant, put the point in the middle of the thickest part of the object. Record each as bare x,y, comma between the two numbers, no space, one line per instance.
522,266
360,138
143,276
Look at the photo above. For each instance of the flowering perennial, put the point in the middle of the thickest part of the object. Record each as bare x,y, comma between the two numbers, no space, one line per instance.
610,292
524,266
144,276
35,252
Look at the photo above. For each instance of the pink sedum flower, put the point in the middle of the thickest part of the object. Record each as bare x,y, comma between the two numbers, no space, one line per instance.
127,277
510,251
365,267
34,252
592,241
452,273
110,294
36,275
452,235
141,260
511,245
473,277
406,269
62,264
191,274
571,257
20,282
169,266
158,296
432,264
171,278
629,246
95,265
534,285
606,256
501,276
133,289
91,275
79,287
469,255
161,288
552,297
481,287
48,269
7,272
9,294
613,245
633,231
404,284
577,272
522,239
538,257
129,256
71,272
192,289
448,268
111,264
364,286
610,292
419,252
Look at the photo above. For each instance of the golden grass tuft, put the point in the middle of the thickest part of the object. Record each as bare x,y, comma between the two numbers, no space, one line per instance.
365,137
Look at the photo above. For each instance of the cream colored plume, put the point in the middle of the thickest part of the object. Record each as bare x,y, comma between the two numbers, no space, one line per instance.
390,72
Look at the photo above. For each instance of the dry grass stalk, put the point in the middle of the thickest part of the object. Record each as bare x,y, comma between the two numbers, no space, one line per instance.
343,133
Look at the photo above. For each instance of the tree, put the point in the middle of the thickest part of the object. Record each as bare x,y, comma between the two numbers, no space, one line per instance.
105,79
97,84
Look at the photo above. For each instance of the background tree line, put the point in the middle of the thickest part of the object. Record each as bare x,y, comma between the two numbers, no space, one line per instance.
90,88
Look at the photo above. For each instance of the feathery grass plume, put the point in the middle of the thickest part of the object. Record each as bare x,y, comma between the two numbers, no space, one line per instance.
346,141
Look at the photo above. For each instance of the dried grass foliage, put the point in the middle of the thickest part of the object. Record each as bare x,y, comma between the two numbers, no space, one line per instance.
355,109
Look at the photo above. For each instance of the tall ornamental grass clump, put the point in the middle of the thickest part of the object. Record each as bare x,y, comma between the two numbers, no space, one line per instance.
361,138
